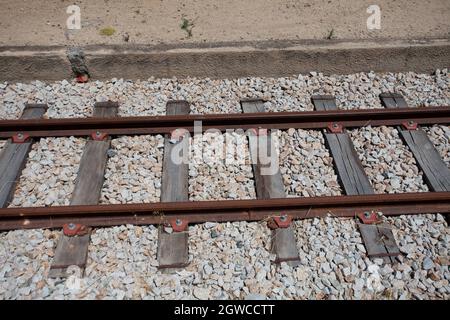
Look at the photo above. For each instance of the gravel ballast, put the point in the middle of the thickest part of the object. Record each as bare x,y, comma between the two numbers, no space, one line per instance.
306,165
222,169
440,137
48,178
229,260
388,163
149,97
134,169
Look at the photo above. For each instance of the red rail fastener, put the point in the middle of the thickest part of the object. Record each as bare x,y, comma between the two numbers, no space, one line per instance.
283,221
98,136
335,127
410,125
74,229
369,217
20,138
178,225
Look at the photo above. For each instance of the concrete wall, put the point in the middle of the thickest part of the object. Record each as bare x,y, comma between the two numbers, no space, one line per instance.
228,60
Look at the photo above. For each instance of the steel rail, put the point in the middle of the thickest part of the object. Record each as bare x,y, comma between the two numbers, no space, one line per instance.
224,210
222,122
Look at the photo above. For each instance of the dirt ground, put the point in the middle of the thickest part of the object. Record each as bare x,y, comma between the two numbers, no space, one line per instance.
43,22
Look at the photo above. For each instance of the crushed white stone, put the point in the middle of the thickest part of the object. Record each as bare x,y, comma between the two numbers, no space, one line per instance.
440,137
306,165
49,176
134,169
229,260
388,163
220,168
149,97
236,263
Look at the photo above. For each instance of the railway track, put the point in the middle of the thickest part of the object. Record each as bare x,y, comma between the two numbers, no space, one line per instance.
175,212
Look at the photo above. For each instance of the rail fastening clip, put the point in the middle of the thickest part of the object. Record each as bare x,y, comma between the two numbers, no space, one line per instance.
20,137
99,136
335,127
74,229
178,225
409,125
282,221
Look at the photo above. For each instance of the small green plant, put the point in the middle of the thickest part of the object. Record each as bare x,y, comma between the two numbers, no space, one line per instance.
108,31
187,26
330,34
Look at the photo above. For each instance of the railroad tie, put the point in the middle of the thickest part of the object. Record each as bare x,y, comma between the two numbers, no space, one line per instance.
378,239
72,247
435,172
14,155
76,220
269,184
173,246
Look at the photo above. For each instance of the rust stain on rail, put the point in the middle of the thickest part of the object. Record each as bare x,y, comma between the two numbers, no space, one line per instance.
224,210
270,120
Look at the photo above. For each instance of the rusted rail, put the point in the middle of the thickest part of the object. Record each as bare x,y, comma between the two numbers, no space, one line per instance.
235,210
275,120
225,210
77,220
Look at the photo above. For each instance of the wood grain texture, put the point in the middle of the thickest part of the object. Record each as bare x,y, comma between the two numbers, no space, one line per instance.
379,241
70,251
174,183
173,248
14,157
107,109
12,161
90,177
73,251
435,172
354,180
267,186
393,100
283,243
348,167
324,103
385,231
91,172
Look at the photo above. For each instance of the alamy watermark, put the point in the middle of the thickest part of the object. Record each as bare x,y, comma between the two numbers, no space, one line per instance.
230,148
74,281
73,22
374,20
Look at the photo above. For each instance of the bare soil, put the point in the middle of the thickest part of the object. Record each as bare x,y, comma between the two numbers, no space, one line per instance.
43,22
